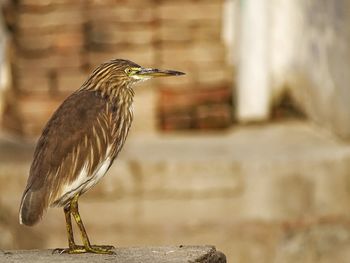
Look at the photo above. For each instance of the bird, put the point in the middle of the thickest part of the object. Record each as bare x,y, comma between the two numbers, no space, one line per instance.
79,144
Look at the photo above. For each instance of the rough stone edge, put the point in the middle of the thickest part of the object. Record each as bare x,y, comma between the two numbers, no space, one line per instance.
213,256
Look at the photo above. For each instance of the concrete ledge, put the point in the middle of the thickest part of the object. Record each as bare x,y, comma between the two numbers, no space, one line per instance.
168,254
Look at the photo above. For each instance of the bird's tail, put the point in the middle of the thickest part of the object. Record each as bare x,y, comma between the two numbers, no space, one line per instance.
32,207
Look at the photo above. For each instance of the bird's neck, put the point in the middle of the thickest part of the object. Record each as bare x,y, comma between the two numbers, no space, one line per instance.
122,98
121,95
115,90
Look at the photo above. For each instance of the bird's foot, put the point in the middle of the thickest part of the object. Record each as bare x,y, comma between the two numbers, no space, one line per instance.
106,247
95,249
70,250
101,249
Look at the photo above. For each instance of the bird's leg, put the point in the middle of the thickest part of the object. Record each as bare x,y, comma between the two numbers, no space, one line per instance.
87,246
72,208
73,248
69,226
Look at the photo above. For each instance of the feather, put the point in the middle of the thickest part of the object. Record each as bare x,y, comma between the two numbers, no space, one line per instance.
74,145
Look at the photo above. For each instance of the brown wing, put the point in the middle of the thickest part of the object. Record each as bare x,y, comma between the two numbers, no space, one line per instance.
67,142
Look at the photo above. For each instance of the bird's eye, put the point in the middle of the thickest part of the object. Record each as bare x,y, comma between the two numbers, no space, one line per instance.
128,71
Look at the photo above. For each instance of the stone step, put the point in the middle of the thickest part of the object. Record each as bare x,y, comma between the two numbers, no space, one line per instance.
277,171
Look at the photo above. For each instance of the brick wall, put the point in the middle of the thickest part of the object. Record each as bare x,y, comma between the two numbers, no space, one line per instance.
190,39
58,42
50,59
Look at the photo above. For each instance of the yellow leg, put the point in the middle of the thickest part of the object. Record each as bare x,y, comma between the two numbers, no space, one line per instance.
73,248
69,226
72,209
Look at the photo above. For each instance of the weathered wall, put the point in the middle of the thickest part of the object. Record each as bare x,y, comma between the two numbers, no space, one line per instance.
322,76
310,54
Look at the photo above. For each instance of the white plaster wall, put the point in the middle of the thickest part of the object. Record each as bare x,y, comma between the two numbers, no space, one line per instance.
285,23
253,82
5,76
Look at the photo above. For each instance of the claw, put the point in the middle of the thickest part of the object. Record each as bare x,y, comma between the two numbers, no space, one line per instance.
60,251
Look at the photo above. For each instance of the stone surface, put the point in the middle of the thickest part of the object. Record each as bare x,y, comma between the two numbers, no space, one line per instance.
179,254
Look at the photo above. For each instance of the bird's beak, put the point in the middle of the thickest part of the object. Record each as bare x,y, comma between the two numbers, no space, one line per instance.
153,73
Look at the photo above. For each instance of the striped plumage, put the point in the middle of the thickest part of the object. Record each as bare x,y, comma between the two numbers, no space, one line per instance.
82,138
87,129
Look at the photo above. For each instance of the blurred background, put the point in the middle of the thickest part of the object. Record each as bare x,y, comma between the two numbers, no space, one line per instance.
249,151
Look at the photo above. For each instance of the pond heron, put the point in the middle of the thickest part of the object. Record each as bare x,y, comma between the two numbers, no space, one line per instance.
79,144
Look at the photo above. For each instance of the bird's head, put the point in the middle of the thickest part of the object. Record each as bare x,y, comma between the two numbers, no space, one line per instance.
128,72
137,73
